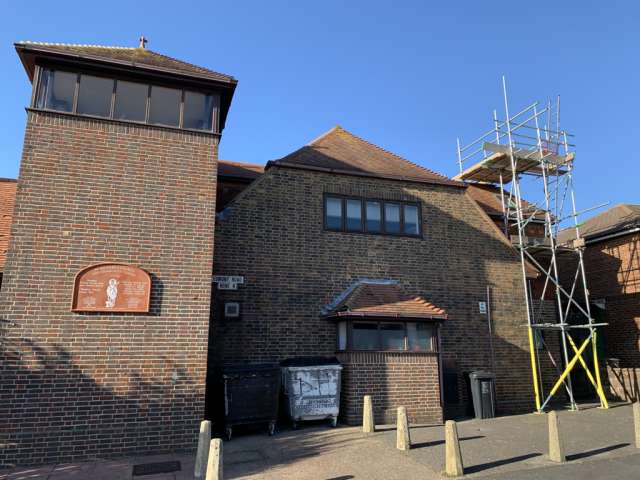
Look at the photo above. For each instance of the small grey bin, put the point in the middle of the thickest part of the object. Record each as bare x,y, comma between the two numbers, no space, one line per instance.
483,391
312,389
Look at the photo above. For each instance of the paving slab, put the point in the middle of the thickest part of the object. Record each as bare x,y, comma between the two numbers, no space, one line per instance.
520,442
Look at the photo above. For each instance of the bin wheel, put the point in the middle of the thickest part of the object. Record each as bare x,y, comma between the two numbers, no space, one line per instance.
272,428
334,422
228,432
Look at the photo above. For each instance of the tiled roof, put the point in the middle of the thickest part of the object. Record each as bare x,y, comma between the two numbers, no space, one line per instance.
488,197
247,171
340,151
7,201
385,300
138,57
619,218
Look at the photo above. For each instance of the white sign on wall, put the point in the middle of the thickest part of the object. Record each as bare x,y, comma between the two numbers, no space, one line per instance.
482,306
228,282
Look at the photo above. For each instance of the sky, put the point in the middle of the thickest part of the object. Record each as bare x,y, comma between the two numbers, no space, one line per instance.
410,76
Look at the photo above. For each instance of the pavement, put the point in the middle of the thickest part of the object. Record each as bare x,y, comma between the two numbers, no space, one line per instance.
598,443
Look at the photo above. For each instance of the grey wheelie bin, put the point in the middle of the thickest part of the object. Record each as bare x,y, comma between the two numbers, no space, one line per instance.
312,388
483,391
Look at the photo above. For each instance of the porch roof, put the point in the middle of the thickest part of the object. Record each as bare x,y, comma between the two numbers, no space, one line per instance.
385,300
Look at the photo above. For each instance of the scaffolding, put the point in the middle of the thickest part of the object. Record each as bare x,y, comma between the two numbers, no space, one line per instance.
530,159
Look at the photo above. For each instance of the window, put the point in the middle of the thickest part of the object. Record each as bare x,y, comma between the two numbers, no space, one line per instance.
354,215
420,337
374,217
411,220
363,215
392,336
164,106
387,336
198,111
365,336
131,101
84,94
94,96
56,90
333,213
392,218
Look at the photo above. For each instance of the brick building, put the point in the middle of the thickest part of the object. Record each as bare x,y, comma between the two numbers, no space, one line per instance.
612,264
312,230
346,250
119,165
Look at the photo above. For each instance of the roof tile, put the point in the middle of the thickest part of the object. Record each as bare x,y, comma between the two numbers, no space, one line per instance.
386,300
340,151
134,56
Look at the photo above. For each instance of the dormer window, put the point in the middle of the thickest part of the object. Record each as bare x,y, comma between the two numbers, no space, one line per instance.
124,100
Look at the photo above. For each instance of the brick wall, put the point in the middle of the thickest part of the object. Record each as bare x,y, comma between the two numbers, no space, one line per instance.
613,266
392,379
613,274
80,385
273,235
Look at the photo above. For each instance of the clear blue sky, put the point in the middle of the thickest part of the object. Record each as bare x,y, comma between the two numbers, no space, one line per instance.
408,76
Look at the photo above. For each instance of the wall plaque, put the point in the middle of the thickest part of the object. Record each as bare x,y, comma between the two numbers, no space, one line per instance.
111,287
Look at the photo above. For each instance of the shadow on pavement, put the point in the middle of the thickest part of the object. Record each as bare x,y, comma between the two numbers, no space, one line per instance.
597,451
498,463
441,442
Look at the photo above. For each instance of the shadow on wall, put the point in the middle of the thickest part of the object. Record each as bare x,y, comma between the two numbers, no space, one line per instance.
64,414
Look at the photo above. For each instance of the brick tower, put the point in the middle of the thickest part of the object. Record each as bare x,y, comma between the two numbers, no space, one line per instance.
118,168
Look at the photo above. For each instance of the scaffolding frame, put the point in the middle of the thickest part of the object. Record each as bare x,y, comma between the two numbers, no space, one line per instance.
530,150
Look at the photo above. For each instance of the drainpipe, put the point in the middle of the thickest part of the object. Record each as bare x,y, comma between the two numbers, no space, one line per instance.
493,359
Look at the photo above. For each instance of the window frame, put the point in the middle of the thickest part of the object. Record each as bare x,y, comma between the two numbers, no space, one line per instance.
383,320
363,221
74,111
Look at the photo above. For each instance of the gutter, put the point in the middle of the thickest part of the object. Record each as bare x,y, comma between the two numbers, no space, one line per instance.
611,235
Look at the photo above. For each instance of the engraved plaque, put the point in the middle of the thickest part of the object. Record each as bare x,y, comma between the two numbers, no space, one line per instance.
111,287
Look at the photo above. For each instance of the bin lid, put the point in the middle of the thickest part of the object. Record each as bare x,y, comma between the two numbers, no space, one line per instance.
481,374
309,361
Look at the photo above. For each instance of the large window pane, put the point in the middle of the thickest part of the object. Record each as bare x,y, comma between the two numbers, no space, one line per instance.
420,337
198,111
374,217
354,215
56,90
131,101
392,218
333,213
94,96
392,336
411,225
164,108
365,336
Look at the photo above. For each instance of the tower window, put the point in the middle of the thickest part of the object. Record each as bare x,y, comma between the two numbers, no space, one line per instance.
117,99
94,96
56,90
164,106
131,101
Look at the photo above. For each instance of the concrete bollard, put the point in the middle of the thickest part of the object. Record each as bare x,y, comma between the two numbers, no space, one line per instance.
403,438
214,465
204,439
636,422
453,457
556,447
368,422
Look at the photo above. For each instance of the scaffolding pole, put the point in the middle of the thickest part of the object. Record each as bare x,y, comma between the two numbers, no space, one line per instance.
525,156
